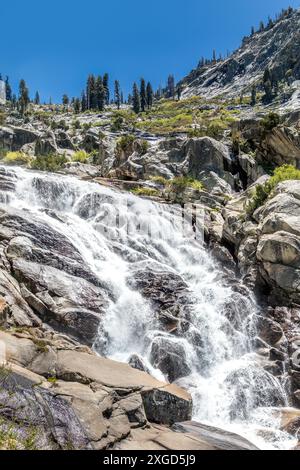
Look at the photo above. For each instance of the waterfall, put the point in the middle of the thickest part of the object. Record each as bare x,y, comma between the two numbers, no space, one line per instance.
210,348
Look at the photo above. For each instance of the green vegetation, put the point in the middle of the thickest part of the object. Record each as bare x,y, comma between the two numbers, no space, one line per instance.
181,183
125,143
50,162
270,121
151,192
159,180
263,191
17,158
2,118
80,156
144,146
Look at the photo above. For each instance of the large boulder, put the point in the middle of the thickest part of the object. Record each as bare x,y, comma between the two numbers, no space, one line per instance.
14,138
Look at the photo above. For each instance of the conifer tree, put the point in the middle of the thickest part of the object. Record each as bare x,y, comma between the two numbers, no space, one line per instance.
77,106
23,96
83,102
267,84
171,87
143,98
117,94
136,102
106,88
149,95
65,100
101,94
37,98
8,91
253,95
122,98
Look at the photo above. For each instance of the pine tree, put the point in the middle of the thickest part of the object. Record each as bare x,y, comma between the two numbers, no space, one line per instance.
253,96
65,100
267,84
171,87
143,98
117,94
77,106
149,95
106,87
129,99
8,91
214,56
37,98
252,31
179,91
136,102
122,98
23,96
83,102
91,92
101,94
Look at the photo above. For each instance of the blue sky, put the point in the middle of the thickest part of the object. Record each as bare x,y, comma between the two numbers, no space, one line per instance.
55,47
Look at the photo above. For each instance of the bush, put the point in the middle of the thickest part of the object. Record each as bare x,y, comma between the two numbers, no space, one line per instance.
2,118
125,142
80,156
50,163
159,180
76,124
117,124
270,121
181,183
17,158
263,191
146,192
144,145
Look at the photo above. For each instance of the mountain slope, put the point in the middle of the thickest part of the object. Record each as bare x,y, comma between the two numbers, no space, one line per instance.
276,47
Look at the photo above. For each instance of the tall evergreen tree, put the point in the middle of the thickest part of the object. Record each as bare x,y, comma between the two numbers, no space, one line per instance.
23,96
149,95
77,106
65,100
8,91
101,94
143,98
37,98
91,92
136,102
106,87
267,84
122,98
171,87
83,102
117,94
253,95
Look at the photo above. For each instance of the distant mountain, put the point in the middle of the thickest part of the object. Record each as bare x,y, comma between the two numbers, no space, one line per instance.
275,47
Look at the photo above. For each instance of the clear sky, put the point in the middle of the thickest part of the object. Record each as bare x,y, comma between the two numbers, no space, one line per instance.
54,45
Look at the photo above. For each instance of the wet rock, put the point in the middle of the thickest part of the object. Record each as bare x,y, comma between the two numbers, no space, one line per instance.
269,331
137,362
169,356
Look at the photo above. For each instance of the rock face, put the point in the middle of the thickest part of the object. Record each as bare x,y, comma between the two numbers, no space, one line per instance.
76,400
203,158
273,47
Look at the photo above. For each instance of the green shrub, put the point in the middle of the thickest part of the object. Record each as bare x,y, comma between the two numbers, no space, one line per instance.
17,158
76,124
263,191
117,124
144,146
181,183
50,163
146,192
125,142
80,156
270,121
159,180
2,118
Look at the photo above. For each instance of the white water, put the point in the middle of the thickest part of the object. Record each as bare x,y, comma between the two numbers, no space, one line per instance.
225,377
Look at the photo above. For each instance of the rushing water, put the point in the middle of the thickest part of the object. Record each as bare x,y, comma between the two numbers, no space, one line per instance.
230,388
